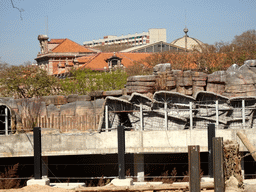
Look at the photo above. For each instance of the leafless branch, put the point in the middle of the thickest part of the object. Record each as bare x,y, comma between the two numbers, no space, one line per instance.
20,10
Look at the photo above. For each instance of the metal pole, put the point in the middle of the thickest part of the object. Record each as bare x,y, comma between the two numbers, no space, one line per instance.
106,118
37,153
211,134
217,114
191,115
141,118
6,121
121,151
166,116
243,113
219,182
194,168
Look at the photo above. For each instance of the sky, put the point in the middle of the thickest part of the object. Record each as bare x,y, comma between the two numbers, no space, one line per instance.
84,20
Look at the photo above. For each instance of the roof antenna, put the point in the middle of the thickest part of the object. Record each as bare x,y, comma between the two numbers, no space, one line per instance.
46,25
185,18
186,31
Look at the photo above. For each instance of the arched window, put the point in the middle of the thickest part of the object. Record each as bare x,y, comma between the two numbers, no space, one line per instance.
5,120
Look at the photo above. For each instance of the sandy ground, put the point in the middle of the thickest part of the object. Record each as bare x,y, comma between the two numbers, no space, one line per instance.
38,188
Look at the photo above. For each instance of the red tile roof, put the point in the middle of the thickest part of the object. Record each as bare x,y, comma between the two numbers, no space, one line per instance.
98,62
70,46
56,41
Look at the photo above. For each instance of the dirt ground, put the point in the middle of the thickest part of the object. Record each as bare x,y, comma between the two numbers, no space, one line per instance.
38,188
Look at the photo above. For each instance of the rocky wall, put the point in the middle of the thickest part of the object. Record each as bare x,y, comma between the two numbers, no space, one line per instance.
235,81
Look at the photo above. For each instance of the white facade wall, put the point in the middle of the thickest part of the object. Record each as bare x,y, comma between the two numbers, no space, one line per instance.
132,39
156,35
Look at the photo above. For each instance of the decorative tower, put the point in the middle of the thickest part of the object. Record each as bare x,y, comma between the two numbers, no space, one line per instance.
186,35
43,39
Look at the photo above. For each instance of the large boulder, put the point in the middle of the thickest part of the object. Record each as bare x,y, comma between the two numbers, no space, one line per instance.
241,81
162,67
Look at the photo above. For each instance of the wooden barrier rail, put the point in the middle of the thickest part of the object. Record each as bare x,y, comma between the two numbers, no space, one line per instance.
65,123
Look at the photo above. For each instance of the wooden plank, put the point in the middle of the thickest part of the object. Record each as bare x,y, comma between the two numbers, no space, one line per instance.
218,169
194,168
247,144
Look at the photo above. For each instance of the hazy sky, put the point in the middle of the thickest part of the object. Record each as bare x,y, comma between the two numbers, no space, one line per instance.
83,20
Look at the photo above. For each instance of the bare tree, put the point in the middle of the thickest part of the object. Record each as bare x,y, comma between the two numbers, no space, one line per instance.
246,41
20,10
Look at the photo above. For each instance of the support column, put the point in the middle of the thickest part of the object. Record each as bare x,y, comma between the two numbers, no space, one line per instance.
165,116
217,114
37,153
121,151
38,160
106,118
139,167
191,115
6,121
141,118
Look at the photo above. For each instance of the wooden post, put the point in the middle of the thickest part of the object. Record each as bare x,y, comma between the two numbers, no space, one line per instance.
194,168
43,122
218,169
49,122
211,135
65,123
83,122
52,126
247,144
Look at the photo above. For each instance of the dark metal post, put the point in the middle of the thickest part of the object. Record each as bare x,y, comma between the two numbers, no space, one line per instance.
211,134
121,151
218,169
194,168
37,153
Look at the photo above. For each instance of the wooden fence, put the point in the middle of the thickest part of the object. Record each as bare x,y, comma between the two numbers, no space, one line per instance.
65,123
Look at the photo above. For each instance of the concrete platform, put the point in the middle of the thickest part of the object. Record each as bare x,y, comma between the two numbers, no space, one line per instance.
67,185
122,182
44,181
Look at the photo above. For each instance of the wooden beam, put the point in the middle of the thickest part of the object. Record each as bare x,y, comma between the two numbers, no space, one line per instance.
247,144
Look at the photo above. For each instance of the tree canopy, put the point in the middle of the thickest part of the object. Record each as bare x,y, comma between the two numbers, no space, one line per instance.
25,81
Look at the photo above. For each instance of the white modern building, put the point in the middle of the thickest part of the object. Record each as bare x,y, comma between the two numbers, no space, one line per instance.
152,36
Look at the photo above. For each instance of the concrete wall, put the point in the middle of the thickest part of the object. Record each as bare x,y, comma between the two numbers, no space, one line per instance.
54,144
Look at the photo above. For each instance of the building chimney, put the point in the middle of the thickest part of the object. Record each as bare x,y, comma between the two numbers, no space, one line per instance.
43,40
